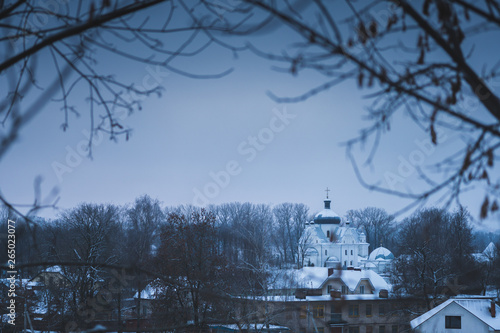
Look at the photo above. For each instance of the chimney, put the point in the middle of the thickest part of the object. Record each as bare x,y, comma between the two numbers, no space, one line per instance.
300,294
350,268
335,294
493,309
330,271
384,293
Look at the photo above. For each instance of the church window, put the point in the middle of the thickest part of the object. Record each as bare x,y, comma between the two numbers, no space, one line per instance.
351,263
328,233
351,252
326,252
345,252
345,263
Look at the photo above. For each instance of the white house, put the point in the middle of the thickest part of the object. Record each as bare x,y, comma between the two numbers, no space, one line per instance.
475,314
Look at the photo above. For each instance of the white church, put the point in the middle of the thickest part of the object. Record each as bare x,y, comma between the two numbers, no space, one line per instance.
331,242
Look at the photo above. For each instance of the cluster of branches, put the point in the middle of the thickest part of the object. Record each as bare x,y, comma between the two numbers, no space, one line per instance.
413,58
379,227
416,58
51,54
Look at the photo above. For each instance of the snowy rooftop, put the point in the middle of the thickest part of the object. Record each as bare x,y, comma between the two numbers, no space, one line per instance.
326,213
322,298
352,279
479,307
490,251
316,277
381,253
53,269
149,292
250,327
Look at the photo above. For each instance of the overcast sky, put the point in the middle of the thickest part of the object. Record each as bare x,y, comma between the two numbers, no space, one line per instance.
215,141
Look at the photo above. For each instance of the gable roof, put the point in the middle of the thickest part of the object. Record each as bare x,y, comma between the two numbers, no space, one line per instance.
352,279
478,307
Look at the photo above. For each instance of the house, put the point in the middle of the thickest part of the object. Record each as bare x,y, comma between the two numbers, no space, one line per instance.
52,276
475,314
488,255
328,300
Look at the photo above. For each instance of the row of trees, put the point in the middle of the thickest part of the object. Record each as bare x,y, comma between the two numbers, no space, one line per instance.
436,257
198,259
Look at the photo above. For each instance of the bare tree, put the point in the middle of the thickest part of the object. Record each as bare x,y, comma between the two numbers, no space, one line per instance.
376,224
145,218
305,243
188,255
435,258
92,230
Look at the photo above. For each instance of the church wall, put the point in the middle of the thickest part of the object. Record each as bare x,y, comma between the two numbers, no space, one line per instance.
349,259
363,249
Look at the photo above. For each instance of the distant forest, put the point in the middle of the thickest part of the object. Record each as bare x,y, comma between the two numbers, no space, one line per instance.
245,232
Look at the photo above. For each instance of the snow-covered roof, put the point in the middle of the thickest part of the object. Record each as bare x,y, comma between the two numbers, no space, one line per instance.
322,298
326,213
250,327
311,277
54,269
479,257
344,234
352,279
381,253
149,292
316,277
479,307
490,251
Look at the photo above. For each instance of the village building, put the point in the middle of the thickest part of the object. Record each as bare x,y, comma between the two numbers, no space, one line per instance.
328,300
462,314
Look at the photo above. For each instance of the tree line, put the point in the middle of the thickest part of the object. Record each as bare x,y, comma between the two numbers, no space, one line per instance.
196,261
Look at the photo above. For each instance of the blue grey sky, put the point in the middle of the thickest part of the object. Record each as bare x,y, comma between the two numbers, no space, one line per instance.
220,140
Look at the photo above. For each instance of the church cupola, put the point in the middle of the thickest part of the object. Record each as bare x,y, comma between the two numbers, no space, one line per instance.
327,216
